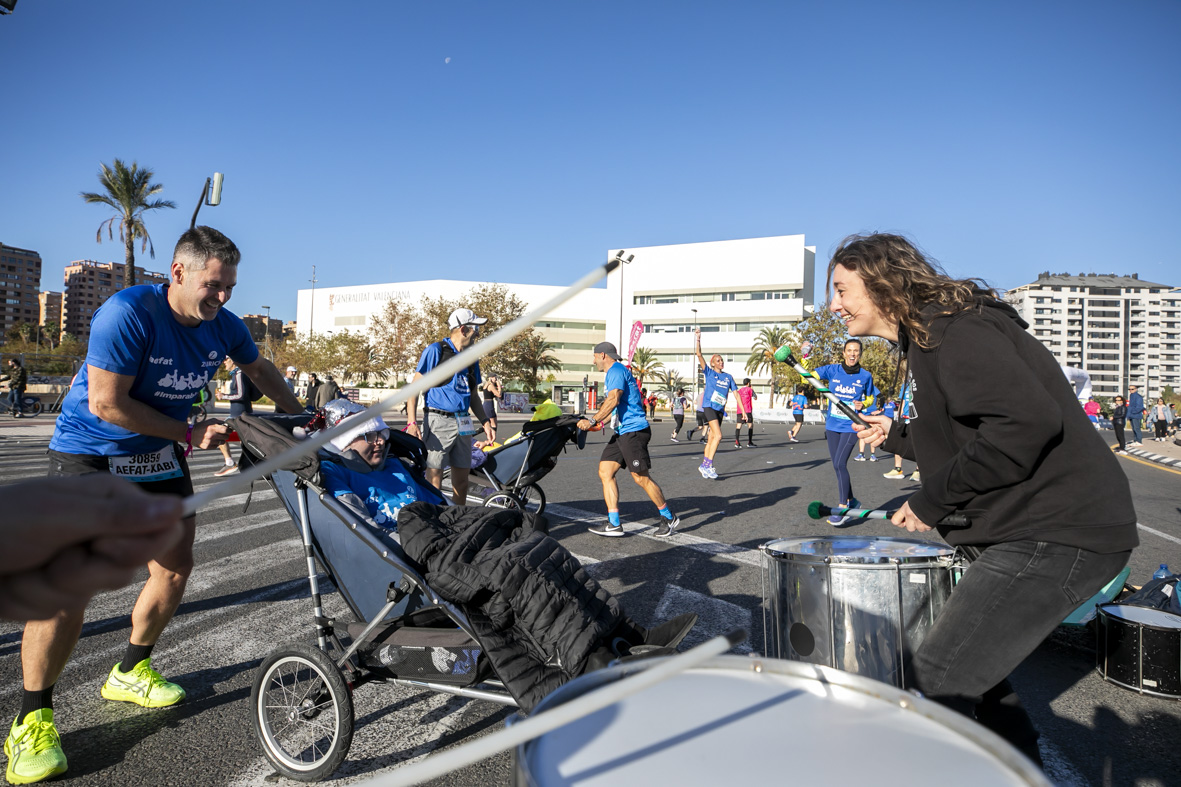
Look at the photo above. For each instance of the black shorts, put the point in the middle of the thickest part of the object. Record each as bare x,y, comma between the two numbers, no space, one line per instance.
629,450
799,417
84,464
490,408
714,415
746,418
700,418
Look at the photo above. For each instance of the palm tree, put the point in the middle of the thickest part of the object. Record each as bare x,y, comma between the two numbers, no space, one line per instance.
127,191
644,363
535,357
670,380
762,354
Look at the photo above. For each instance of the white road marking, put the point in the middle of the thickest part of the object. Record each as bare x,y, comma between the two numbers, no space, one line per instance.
1156,532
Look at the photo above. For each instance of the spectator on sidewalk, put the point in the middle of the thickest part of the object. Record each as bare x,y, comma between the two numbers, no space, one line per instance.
1135,412
1119,415
1160,420
327,391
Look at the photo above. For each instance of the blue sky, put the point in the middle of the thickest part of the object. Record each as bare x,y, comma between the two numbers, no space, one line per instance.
1006,137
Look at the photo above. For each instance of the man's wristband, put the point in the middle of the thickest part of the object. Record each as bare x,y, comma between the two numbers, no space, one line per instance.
412,423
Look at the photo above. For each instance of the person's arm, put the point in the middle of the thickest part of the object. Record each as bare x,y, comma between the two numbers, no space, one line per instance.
271,382
697,349
110,401
485,421
412,411
76,536
604,411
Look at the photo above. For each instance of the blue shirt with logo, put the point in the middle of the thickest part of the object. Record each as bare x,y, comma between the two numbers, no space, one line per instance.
136,334
718,386
798,403
454,396
630,408
384,491
848,388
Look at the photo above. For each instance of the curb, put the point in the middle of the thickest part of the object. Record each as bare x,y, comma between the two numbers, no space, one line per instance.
1168,461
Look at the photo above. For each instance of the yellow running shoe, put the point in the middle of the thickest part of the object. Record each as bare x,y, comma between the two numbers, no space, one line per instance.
143,686
34,749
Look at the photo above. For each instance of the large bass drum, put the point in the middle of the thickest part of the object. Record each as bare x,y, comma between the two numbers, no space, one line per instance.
858,604
738,720
1139,648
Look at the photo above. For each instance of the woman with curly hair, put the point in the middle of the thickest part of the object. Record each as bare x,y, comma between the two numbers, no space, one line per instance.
1002,440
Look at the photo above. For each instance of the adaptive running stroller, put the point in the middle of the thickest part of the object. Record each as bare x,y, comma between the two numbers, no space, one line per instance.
508,478
404,632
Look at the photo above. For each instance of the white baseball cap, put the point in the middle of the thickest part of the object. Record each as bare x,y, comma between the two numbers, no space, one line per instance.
292,369
461,317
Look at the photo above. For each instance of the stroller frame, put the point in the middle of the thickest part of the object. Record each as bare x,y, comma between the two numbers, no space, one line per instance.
301,698
523,491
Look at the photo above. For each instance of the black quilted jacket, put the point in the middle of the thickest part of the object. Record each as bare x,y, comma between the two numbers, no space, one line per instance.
537,613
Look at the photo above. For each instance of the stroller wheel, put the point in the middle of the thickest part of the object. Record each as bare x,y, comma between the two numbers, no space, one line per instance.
303,712
502,500
533,497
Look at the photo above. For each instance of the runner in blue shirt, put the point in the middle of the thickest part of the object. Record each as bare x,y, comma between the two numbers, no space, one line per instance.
152,349
851,384
628,447
798,403
718,387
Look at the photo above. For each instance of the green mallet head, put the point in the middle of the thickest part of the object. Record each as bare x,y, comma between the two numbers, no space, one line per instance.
814,509
782,354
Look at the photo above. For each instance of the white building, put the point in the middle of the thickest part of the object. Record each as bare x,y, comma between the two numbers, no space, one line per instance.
1119,329
730,289
574,328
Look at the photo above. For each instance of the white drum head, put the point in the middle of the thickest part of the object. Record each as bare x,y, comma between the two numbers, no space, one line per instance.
725,724
857,549
1143,615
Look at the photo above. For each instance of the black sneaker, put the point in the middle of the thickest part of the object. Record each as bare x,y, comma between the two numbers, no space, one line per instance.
666,528
607,529
750,444
737,444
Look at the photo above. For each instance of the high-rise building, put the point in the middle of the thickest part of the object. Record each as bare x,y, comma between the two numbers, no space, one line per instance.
20,282
88,285
1118,329
51,309
261,325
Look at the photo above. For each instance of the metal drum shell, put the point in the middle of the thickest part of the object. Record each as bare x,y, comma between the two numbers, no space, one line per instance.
741,720
859,604
1137,654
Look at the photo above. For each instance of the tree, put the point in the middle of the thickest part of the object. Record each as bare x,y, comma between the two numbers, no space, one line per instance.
127,190
644,364
670,381
351,357
762,357
394,334
536,357
827,333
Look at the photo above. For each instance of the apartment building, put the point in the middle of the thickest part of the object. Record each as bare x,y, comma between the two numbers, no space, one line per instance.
260,326
1119,329
50,308
88,284
20,283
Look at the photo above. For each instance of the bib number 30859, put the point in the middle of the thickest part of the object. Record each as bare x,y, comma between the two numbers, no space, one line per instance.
141,468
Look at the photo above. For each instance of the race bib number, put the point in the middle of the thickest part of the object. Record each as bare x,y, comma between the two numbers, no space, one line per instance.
718,399
464,422
141,468
835,412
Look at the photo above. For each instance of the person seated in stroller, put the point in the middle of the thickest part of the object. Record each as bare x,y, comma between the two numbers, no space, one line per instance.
360,472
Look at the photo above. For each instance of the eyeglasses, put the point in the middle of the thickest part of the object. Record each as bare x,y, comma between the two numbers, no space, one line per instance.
373,437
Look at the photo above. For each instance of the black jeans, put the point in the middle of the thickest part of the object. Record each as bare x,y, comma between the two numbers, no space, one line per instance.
1119,435
1010,599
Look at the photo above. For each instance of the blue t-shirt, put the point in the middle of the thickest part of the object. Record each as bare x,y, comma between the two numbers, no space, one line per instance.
630,409
383,491
454,396
848,388
718,386
798,402
135,334
889,409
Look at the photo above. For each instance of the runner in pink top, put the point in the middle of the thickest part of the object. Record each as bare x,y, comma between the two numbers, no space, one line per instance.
746,395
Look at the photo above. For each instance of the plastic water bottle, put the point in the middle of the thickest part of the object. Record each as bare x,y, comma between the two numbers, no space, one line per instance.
1162,572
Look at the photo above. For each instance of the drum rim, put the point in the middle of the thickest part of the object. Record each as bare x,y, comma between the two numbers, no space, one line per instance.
946,552
989,741
1101,609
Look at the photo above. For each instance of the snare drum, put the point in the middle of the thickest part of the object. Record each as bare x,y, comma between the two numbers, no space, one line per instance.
859,604
738,720
1139,648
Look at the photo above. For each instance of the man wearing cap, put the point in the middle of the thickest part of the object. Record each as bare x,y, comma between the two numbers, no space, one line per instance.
1135,412
290,378
628,447
447,427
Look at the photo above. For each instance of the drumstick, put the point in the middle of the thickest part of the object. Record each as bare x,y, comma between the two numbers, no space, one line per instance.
783,355
434,377
560,715
817,510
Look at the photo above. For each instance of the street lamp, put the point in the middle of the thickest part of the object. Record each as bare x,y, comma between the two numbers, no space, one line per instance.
312,312
266,335
625,260
210,195
694,347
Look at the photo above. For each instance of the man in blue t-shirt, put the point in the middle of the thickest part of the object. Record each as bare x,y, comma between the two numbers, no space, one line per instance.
798,403
152,349
628,447
447,426
718,387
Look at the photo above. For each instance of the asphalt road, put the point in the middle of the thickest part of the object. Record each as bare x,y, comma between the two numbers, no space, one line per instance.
248,596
